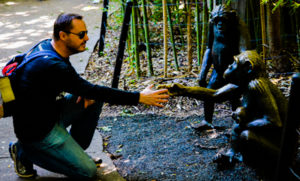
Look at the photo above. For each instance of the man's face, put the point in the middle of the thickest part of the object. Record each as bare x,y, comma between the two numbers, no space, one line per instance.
74,42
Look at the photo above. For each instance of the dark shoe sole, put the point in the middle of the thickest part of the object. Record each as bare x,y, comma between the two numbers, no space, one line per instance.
13,152
97,161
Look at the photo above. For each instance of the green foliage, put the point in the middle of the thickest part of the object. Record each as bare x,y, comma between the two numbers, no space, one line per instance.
127,112
157,14
294,5
290,3
228,3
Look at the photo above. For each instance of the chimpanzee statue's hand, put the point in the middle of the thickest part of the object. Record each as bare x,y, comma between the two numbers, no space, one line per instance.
174,89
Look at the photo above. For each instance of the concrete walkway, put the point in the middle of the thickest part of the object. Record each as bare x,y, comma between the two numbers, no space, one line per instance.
22,25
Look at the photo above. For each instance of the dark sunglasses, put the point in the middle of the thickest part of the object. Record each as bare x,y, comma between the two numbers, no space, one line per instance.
80,34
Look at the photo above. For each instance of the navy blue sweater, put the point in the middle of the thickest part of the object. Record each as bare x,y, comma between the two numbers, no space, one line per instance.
40,83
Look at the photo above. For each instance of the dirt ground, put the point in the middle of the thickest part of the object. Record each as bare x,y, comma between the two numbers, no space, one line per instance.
158,143
159,147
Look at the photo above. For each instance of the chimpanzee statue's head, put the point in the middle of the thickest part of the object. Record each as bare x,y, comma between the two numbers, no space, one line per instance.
247,66
223,19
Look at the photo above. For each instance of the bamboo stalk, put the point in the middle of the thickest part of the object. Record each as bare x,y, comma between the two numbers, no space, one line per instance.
131,37
178,22
198,32
210,5
135,40
255,25
165,29
263,30
204,29
172,38
146,31
189,38
139,22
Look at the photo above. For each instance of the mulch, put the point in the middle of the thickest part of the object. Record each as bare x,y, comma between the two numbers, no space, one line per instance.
159,147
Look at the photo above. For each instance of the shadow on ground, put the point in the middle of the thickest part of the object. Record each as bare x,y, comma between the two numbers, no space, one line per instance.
156,147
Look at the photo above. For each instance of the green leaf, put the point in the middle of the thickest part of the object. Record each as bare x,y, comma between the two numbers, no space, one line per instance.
119,150
105,128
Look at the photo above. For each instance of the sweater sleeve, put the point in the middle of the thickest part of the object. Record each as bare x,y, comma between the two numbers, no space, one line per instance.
70,81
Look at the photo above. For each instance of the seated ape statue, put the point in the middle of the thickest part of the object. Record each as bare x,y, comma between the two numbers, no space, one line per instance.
227,36
259,119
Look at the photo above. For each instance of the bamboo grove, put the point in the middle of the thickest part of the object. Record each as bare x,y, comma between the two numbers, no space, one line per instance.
182,25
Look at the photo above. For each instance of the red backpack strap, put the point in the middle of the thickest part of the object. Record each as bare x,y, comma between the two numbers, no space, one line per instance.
8,69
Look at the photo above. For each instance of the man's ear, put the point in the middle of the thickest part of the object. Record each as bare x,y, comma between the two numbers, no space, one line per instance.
62,35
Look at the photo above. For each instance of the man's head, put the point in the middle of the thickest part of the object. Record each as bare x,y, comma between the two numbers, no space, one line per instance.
70,30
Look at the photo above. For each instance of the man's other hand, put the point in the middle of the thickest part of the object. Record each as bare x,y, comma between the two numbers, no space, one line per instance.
87,102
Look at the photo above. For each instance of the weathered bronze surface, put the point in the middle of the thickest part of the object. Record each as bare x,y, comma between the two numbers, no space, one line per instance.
227,37
259,117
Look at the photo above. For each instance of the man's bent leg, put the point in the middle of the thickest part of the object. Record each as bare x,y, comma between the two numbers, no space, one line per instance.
60,153
83,121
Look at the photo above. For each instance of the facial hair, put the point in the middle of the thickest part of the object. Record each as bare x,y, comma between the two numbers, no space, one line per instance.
73,50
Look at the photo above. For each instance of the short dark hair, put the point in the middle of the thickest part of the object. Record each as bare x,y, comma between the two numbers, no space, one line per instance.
64,23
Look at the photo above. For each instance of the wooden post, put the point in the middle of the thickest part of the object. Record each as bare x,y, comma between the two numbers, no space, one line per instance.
122,43
103,27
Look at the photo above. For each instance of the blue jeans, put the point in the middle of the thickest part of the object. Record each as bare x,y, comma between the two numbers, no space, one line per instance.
62,151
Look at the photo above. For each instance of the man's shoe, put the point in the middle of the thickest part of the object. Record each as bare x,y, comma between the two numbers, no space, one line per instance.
97,161
20,169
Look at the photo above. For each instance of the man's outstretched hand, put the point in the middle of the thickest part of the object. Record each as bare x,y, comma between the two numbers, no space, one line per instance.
154,97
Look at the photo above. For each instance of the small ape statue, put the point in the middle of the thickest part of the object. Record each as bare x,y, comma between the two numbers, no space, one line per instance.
227,37
263,108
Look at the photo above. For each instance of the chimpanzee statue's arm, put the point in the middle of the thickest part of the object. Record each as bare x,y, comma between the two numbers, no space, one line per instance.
206,64
224,93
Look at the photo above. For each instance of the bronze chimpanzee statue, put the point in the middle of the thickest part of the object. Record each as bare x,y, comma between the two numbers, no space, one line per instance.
227,36
259,119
